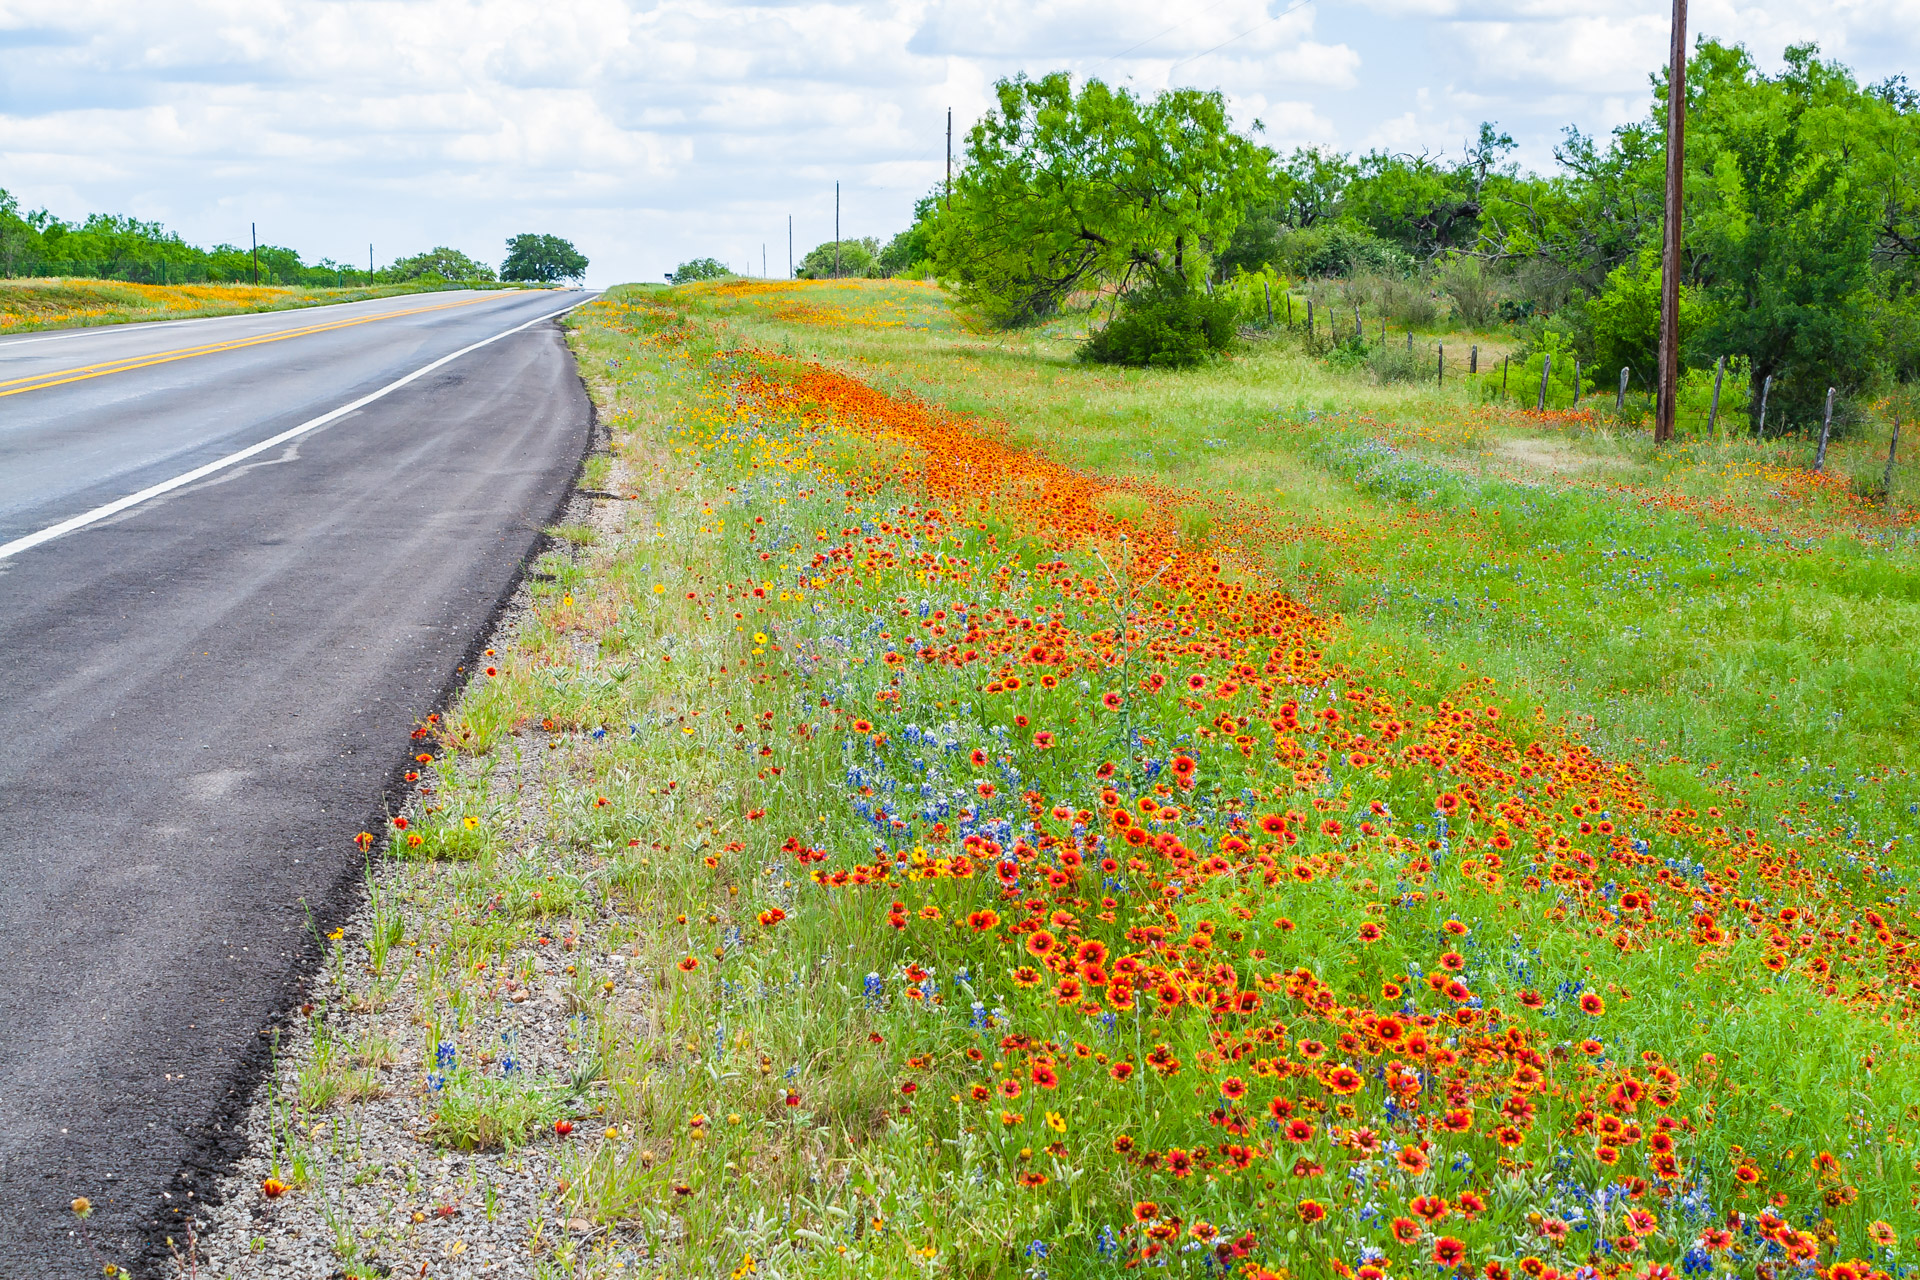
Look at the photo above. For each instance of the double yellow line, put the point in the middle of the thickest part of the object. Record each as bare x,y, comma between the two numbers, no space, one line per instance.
60,377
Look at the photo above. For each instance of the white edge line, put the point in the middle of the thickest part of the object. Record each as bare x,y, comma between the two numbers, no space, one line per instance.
85,518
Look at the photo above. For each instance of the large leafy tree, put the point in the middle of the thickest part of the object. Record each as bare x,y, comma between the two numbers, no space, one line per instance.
1062,189
542,259
448,264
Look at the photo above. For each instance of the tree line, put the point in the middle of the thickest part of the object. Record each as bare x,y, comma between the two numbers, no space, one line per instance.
1801,262
106,246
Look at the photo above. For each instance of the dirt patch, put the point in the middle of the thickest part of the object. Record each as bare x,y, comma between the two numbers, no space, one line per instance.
1553,457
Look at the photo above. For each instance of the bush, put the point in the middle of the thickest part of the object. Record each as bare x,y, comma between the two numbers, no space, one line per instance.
1168,325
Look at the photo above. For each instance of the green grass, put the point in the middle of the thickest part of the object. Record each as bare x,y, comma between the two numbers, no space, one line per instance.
783,1073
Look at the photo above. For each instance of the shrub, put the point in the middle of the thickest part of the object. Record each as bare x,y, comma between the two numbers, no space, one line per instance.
1167,325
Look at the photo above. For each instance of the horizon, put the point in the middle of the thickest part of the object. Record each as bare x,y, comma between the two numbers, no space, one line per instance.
643,137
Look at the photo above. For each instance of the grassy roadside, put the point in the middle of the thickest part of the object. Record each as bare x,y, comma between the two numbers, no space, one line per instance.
823,854
29,305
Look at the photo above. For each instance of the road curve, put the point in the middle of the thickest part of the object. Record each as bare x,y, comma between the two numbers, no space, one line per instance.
204,696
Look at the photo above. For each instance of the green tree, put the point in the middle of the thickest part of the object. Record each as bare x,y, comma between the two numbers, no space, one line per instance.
699,269
1063,189
447,264
542,259
1783,213
843,259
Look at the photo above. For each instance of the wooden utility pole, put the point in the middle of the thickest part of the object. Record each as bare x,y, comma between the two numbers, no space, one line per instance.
949,157
1670,254
253,229
789,246
836,231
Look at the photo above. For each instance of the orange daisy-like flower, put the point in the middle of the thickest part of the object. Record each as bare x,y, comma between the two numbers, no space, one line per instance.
1592,1005
1145,1211
1412,1159
1025,976
1405,1230
1041,942
1371,932
689,965
1449,1251
1312,1211
1344,1080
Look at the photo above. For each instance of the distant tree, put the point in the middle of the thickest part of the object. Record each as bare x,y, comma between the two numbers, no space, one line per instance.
700,269
542,260
857,258
448,264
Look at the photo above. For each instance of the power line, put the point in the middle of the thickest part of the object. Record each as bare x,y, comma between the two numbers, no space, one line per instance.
1169,31
1292,8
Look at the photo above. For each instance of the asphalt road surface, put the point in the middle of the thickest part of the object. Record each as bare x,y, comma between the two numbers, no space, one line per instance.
206,694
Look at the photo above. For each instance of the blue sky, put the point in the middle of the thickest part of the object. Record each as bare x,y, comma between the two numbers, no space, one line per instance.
652,132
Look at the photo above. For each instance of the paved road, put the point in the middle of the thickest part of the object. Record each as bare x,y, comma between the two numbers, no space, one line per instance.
204,696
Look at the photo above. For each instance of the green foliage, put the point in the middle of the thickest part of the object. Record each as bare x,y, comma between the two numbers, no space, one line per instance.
700,269
1062,189
542,259
1624,321
1167,325
840,260
912,248
447,264
1337,249
115,247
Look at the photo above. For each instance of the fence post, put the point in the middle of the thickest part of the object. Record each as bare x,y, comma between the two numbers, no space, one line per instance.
1760,427
1713,411
1266,287
1576,382
1309,320
1620,397
1289,296
1546,371
1826,425
1893,445
1504,362
1473,358
1409,342
1440,375
1359,330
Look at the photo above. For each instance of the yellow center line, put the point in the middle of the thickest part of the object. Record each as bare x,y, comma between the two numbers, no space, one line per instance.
79,373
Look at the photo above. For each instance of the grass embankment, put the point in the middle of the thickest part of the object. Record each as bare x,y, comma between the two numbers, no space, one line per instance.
27,305
1249,819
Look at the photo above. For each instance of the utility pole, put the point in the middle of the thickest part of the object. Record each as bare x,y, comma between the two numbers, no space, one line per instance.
1670,253
789,246
836,231
253,229
949,158
763,259
369,262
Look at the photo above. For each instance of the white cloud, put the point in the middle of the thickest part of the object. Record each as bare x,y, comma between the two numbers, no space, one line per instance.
655,130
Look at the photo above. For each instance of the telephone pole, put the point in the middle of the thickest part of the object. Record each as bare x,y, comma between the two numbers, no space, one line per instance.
836,231
789,246
253,230
1670,252
949,157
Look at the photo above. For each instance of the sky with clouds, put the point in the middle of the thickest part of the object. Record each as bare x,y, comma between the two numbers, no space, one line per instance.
652,131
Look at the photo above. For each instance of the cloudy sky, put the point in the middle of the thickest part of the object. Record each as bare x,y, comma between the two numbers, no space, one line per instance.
651,131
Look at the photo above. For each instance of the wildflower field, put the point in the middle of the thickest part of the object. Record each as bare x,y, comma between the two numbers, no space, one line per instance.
997,817
27,305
